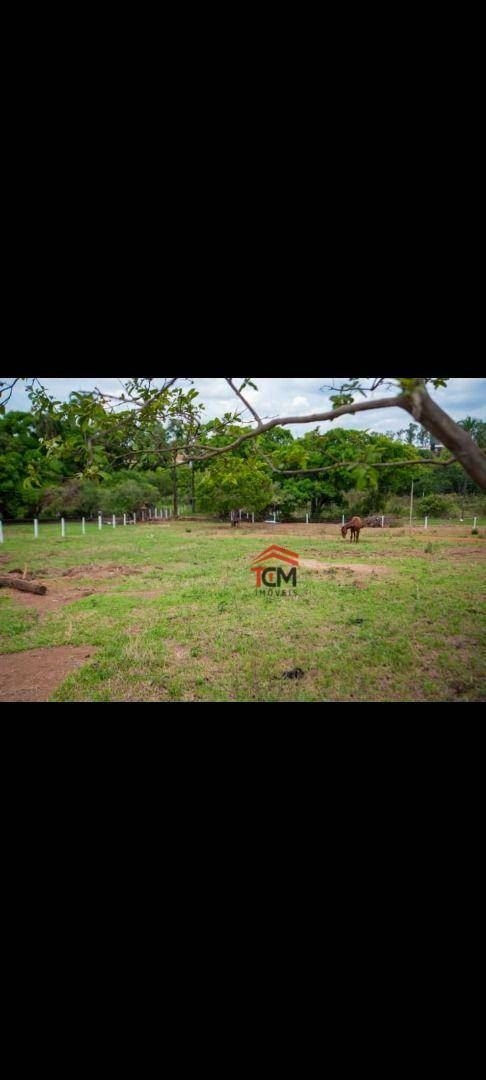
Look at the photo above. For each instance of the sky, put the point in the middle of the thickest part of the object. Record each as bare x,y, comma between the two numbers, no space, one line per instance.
290,397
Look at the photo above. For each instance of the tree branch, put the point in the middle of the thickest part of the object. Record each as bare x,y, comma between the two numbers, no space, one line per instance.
7,389
402,463
283,421
245,402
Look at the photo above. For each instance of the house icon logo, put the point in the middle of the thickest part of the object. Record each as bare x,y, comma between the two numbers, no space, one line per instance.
271,575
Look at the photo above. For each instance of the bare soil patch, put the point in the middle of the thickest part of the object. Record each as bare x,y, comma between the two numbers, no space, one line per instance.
55,596
180,652
470,552
96,570
33,675
58,594
354,568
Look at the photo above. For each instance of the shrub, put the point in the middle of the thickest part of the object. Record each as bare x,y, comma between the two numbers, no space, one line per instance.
441,506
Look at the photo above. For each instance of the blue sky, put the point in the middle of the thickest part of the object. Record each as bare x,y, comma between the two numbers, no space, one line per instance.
290,396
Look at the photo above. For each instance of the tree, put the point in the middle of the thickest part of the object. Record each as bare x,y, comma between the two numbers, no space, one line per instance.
476,429
170,402
25,468
232,483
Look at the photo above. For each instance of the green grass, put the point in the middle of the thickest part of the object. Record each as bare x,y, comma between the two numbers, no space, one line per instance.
188,624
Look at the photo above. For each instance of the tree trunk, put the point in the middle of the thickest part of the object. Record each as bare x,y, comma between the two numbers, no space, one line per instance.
193,492
446,431
24,586
175,504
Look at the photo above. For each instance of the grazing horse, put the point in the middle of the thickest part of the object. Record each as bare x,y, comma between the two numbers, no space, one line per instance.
355,524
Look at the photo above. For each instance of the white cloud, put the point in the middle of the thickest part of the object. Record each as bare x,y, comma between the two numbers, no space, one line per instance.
291,396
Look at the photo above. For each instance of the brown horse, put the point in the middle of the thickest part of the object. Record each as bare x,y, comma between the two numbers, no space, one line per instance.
355,524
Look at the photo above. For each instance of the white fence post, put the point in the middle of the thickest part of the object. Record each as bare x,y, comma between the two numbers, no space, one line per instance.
343,520
63,527
425,522
134,519
124,519
474,522
36,528
383,521
252,518
307,519
1,533
100,521
113,520
83,526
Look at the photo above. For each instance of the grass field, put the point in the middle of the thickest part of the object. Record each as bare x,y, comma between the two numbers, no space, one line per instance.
170,612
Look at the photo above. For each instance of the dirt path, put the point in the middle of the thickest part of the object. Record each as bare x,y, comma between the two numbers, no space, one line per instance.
33,675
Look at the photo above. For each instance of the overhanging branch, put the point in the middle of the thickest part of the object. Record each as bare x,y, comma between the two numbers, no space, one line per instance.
402,463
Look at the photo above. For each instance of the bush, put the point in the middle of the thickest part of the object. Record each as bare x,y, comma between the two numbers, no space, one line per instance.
396,507
441,506
364,503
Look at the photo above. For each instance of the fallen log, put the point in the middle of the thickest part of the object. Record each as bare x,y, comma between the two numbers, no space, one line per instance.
24,586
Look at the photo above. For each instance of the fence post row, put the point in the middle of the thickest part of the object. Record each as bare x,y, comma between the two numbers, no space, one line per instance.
165,511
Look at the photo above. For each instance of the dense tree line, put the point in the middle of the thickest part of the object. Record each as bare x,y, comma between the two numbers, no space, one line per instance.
78,459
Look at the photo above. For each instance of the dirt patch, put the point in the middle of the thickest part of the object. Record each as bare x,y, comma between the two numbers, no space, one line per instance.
33,675
471,552
181,652
58,594
354,568
458,641
96,570
55,596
